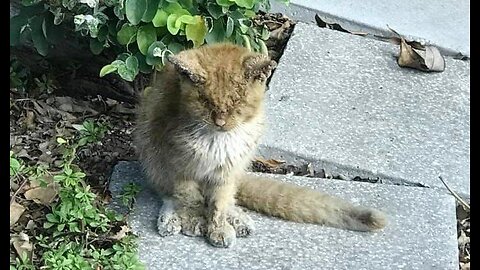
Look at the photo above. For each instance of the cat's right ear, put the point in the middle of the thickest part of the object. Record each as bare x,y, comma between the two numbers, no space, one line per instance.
259,67
186,68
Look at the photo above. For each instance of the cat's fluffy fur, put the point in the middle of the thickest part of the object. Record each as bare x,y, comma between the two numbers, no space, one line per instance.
198,126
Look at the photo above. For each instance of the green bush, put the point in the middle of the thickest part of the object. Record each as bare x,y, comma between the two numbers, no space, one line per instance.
142,33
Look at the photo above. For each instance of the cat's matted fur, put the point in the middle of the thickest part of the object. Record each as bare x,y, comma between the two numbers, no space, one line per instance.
198,126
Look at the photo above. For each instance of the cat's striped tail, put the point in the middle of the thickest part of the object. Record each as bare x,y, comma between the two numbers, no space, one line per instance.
300,204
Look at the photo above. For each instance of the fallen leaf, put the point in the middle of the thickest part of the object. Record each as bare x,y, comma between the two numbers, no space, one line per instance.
465,266
335,26
397,40
42,195
21,243
124,230
30,225
427,58
30,120
271,163
16,211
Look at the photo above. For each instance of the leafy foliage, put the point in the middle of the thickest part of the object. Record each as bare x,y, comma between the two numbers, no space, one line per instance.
78,233
141,32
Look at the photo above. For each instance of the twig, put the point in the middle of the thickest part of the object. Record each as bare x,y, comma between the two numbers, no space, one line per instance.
464,203
16,191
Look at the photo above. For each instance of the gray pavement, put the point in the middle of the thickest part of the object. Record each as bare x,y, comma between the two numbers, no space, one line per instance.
445,23
342,102
421,233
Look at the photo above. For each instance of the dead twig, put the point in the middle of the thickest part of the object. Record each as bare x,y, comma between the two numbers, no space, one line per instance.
19,188
464,203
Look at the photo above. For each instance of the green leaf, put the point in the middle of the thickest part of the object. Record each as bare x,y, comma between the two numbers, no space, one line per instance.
127,34
146,35
126,73
16,24
160,18
172,18
176,8
142,63
249,13
237,15
245,3
175,47
39,41
196,32
246,42
107,70
224,3
134,9
230,25
96,46
217,34
151,10
52,32
186,19
263,47
215,10
132,63
152,55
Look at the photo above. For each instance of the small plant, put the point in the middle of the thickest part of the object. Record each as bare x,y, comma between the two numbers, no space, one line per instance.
16,165
90,132
128,194
18,76
22,263
45,84
77,233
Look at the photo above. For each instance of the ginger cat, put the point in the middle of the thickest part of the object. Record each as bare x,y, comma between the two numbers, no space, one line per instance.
198,127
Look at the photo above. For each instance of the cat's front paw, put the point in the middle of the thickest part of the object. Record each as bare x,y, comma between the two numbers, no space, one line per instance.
223,236
241,222
193,222
169,223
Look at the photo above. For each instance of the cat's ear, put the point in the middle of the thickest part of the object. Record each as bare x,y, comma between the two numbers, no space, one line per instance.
258,67
187,68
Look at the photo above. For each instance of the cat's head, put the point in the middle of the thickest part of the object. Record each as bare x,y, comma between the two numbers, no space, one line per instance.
222,85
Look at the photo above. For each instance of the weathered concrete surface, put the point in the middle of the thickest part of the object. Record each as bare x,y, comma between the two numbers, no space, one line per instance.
342,100
421,233
445,23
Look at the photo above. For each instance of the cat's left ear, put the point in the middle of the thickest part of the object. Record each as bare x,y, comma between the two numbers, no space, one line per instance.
259,67
187,68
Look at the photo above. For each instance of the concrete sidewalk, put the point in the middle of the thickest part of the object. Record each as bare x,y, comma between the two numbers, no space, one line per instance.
341,102
421,233
444,23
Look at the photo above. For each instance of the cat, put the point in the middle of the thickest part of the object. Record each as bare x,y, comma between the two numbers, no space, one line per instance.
198,126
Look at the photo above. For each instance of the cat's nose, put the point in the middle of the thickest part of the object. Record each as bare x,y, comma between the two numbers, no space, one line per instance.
219,118
220,122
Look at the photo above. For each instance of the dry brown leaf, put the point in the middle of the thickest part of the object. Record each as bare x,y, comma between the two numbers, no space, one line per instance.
465,266
70,105
124,230
271,163
424,58
42,195
21,243
30,225
398,40
335,26
30,120
16,211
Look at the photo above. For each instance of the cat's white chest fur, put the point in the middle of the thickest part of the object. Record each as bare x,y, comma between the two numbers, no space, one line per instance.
216,153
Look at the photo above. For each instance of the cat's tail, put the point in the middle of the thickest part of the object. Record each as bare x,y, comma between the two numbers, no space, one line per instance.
300,204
